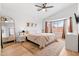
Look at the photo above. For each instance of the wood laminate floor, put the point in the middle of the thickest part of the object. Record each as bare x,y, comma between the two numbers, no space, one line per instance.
30,49
66,52
0,50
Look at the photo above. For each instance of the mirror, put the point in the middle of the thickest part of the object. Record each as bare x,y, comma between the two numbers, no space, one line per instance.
7,31
0,41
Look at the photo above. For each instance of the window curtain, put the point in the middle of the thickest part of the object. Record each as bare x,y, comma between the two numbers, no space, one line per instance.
46,27
63,35
51,27
70,24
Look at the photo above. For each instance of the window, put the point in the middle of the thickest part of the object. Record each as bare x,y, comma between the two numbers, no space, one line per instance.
58,23
55,24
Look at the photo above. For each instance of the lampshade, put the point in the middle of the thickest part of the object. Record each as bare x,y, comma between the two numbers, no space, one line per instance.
23,31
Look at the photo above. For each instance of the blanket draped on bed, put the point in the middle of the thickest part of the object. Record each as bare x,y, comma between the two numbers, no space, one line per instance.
42,39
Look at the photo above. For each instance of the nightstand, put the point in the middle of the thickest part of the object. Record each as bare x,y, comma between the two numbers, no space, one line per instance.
20,38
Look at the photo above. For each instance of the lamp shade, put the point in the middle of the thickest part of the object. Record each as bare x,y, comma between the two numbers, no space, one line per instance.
23,31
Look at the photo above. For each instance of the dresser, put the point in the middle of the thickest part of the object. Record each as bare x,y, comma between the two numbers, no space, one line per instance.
72,42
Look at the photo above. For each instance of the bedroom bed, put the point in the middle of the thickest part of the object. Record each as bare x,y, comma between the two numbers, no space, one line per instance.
42,39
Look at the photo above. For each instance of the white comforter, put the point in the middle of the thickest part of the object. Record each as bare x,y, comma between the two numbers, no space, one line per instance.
42,39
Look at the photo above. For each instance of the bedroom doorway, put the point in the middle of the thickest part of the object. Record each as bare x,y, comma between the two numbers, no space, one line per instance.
55,26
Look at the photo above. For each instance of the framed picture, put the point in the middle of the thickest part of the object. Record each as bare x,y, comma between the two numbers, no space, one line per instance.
35,25
31,24
28,24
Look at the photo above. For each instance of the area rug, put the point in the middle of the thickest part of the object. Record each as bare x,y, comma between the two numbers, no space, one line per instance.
52,49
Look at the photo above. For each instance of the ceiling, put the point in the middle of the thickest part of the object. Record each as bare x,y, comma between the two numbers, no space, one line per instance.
30,11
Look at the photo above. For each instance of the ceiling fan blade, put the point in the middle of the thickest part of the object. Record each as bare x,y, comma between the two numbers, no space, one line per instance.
49,7
39,9
38,6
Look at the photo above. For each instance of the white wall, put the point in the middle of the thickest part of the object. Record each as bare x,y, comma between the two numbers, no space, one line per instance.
78,27
78,14
0,29
0,7
74,25
64,13
21,18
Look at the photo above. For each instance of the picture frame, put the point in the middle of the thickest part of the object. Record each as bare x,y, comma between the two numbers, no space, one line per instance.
28,24
32,24
35,25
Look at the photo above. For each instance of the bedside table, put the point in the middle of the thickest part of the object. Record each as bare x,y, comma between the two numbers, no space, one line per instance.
21,38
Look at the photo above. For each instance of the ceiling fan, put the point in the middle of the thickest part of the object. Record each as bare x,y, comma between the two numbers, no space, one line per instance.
43,7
